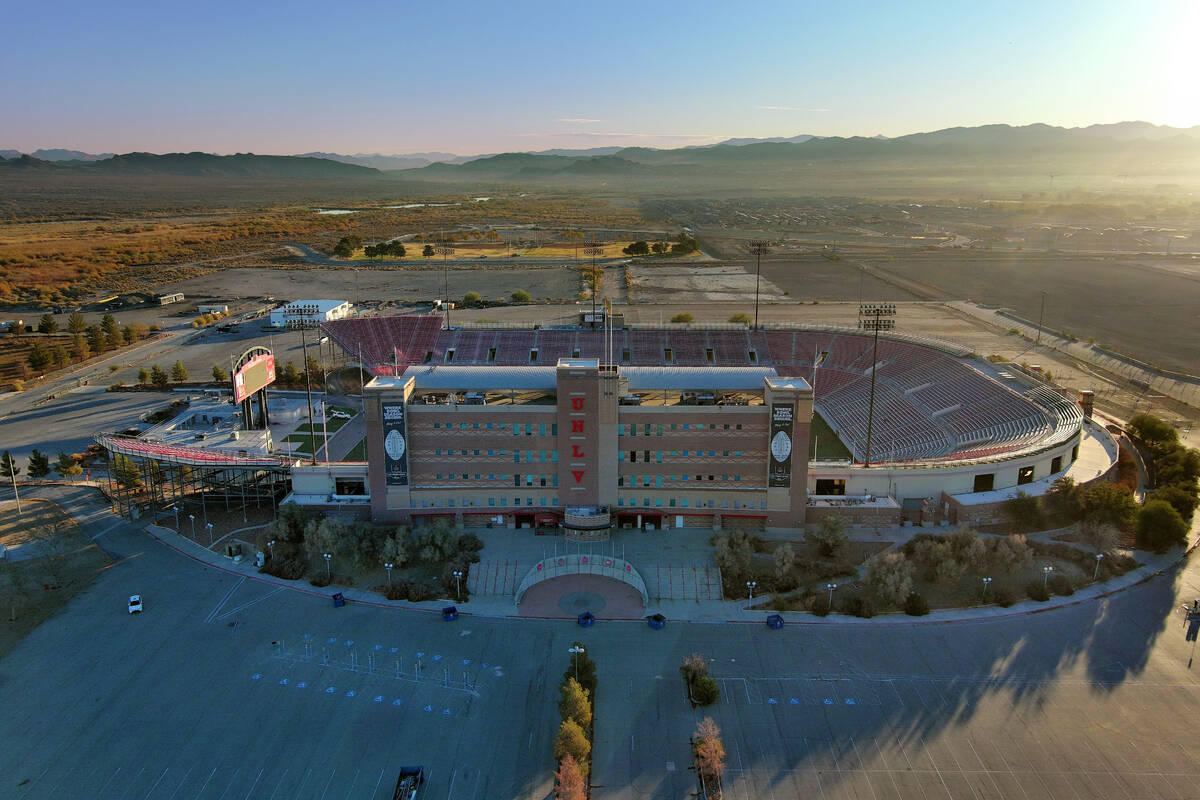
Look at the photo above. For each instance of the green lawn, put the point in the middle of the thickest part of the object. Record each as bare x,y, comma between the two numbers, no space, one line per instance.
333,424
822,436
358,452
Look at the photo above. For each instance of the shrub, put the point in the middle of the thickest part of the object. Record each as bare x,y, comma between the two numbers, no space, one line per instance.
705,691
741,317
1037,591
916,605
1003,597
1061,585
1160,527
889,577
572,741
320,579
290,569
470,543
570,780
820,605
860,606
395,591
575,703
683,317
521,296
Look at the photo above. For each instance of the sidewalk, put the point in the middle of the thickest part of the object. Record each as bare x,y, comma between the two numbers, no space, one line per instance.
703,611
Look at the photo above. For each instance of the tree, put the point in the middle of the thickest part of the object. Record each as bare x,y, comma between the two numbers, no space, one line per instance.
38,357
76,324
219,375
1023,511
112,331
159,377
179,373
1181,499
427,251
95,339
39,465
1062,499
290,375
785,559
683,317
471,299
521,296
732,554
1160,527
8,466
60,356
575,703
638,248
659,247
395,549
710,753
569,780
143,375
890,577
324,536
829,537
1010,553
67,467
1153,431
47,324
741,317
572,741
129,334
1110,503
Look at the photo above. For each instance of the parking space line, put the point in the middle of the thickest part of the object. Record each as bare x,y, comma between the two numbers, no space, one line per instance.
212,614
206,781
377,783
156,783
250,793
325,791
106,783
278,783
180,786
229,785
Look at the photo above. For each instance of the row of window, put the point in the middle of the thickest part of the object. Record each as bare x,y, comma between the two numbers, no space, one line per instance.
668,354
632,427
492,502
530,480
632,480
528,457
529,427
682,502
658,455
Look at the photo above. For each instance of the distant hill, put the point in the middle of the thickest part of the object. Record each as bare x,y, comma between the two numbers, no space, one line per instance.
803,137
203,165
378,161
58,154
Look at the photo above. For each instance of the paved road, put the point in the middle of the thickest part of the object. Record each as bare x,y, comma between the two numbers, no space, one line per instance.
191,699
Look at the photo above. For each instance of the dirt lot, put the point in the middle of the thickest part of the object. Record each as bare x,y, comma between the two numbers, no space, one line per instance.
386,284
64,562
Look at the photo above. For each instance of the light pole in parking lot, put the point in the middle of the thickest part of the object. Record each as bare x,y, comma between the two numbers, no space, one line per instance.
176,510
831,587
271,549
208,526
388,566
986,581
593,249
192,519
758,248
445,248
576,651
750,585
1046,570
327,556
457,587
1096,572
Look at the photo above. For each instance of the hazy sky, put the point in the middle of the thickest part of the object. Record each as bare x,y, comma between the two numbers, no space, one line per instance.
471,77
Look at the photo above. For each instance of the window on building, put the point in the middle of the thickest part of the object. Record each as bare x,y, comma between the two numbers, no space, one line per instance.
646,456
985,482
491,501
752,355
449,354
658,456
683,502
1074,453
832,486
554,429
1024,475
709,356
574,352
658,481
671,503
633,456
428,356
646,429
626,355
350,487
533,355
1055,464
668,355
491,355
542,429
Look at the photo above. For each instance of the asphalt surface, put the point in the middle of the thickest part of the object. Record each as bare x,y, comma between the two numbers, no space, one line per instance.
192,699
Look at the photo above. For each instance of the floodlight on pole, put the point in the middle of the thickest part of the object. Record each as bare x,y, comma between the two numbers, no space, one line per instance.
874,317
831,587
192,519
208,526
986,581
1046,570
299,313
1096,572
457,587
758,249
593,249
750,585
388,566
576,651
327,556
445,248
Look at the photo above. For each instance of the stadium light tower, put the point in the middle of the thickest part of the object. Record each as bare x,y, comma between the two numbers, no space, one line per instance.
593,249
758,248
445,248
874,317
301,315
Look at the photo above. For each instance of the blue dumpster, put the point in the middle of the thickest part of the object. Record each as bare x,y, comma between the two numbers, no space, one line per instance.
656,621
587,619
450,613
775,622
339,600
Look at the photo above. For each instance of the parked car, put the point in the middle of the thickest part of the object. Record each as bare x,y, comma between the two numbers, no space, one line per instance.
335,414
135,604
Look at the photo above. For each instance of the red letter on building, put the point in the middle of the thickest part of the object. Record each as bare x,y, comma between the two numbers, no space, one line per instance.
576,426
578,473
576,452
577,403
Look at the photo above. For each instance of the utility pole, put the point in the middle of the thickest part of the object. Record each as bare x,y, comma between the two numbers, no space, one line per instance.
593,249
445,248
874,317
759,248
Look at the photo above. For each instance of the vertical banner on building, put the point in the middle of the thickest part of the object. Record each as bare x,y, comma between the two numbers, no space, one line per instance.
779,472
395,446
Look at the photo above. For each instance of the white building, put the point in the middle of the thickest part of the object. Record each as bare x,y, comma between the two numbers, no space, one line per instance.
309,313
212,308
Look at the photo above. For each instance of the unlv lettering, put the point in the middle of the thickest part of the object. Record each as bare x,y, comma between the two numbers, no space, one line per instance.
576,452
576,426
578,473
577,403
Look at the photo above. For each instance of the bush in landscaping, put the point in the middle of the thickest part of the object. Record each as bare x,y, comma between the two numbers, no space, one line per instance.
1061,585
829,538
860,606
396,591
569,780
916,605
1159,526
710,752
320,579
1037,591
889,577
575,702
705,690
1003,597
470,543
1023,511
290,569
820,605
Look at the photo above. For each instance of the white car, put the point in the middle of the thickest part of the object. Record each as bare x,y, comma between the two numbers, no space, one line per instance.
135,604
335,414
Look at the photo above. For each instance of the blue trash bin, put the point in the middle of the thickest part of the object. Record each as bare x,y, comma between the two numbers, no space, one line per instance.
587,619
656,621
450,613
339,600
775,622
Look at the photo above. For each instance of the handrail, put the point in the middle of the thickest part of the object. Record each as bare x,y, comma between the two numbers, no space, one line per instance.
583,564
